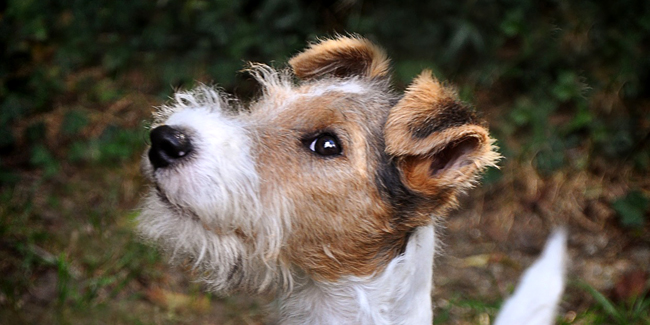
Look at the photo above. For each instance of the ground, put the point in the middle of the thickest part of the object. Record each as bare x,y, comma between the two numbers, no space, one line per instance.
69,254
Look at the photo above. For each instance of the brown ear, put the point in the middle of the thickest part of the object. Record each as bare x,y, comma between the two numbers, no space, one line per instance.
440,146
340,57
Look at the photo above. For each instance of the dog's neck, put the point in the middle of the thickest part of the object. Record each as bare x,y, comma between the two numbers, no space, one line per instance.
401,294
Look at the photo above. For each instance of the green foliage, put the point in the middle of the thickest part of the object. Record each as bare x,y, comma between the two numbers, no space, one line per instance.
74,267
73,122
564,67
634,312
113,146
632,209
477,310
63,276
42,158
573,73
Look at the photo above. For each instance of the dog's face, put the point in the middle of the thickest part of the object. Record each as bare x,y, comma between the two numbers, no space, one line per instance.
326,178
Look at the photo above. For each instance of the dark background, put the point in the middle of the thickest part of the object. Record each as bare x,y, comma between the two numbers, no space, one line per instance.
565,87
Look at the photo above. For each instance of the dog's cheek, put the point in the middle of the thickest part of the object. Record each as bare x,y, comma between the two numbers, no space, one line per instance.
343,225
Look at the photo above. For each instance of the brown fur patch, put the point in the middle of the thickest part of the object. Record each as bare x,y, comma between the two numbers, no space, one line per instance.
341,57
342,225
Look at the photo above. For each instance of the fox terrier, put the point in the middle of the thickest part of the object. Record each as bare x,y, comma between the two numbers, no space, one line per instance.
324,191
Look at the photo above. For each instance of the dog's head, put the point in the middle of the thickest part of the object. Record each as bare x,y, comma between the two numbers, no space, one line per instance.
326,177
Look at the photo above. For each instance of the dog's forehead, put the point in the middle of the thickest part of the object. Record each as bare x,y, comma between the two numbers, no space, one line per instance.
349,87
320,104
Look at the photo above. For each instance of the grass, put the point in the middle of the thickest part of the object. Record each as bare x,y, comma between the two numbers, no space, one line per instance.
467,310
464,310
69,255
635,311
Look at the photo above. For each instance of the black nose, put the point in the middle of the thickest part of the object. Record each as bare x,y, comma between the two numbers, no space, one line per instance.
168,145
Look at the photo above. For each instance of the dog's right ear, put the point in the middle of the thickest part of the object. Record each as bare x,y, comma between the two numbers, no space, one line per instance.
341,57
438,144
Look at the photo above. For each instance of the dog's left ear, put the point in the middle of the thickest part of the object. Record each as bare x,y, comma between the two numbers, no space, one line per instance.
341,57
438,144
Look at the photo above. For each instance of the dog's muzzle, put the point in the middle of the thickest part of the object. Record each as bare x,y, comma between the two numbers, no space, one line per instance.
168,146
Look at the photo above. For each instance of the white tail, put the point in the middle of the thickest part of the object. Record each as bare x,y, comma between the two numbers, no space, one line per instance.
535,300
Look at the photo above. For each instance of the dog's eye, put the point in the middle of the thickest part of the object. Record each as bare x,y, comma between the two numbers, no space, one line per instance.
326,145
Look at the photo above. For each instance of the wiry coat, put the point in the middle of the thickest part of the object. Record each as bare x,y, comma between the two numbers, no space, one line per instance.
324,191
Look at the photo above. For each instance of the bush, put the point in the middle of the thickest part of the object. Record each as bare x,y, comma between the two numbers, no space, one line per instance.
568,76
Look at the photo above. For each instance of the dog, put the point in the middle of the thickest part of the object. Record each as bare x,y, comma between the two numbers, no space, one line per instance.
325,191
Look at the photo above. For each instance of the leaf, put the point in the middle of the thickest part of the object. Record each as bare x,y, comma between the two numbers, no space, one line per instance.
175,301
73,122
42,158
607,305
632,208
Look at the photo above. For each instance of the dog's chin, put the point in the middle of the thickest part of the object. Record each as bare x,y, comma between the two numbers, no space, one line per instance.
218,258
208,221
176,211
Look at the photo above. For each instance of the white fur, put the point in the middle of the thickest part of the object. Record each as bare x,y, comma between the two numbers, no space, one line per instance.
184,237
536,298
401,294
201,203
351,86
